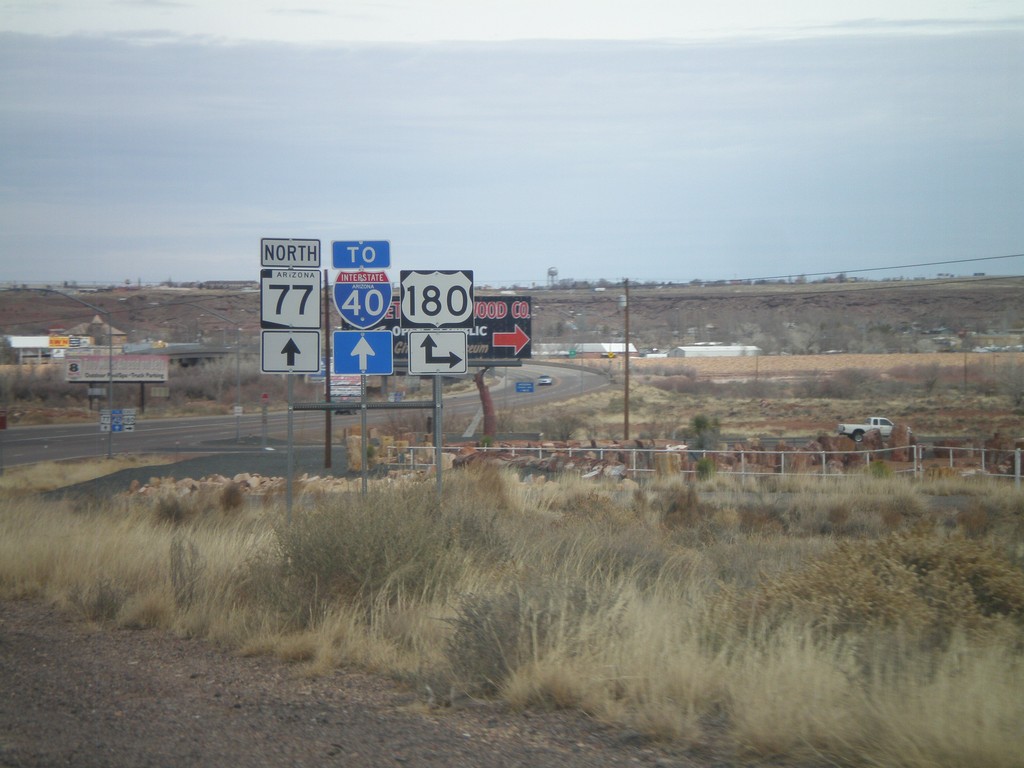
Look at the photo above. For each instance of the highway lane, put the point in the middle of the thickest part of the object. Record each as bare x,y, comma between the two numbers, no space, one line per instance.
211,434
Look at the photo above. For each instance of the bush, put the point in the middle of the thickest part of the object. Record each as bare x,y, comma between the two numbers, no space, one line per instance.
176,510
365,550
879,470
100,601
495,635
705,468
932,588
187,569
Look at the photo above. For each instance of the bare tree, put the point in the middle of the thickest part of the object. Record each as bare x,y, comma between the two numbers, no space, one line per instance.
487,403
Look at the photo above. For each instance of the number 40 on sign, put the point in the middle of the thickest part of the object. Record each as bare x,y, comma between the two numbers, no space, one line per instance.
362,297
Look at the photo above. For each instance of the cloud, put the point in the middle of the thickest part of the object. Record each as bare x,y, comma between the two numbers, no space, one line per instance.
649,160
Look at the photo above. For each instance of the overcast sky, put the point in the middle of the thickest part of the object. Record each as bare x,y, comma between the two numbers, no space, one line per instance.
663,140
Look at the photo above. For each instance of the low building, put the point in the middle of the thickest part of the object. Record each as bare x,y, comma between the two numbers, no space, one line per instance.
715,350
584,350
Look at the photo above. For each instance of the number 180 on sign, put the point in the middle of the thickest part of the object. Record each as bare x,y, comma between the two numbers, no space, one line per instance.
439,299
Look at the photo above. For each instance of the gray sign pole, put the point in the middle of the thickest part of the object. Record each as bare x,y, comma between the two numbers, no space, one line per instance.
1016,468
291,445
438,432
363,442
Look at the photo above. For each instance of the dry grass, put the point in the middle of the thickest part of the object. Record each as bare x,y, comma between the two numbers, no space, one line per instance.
51,475
772,396
857,628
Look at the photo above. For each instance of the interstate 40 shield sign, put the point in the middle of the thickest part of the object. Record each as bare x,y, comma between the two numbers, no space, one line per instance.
363,297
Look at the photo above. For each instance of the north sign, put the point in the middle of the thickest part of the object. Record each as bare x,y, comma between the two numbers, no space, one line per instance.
362,297
290,298
285,252
438,299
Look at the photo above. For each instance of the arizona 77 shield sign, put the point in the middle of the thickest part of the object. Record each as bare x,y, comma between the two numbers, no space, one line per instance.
362,297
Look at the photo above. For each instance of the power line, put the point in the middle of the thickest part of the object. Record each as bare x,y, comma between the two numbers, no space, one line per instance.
899,266
788,276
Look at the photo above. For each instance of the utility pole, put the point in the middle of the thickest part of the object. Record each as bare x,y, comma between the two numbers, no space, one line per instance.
328,367
625,421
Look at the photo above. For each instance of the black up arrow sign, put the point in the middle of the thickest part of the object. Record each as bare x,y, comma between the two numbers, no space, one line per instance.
430,345
290,350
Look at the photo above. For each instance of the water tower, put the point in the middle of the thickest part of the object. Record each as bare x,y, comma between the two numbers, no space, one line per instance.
552,274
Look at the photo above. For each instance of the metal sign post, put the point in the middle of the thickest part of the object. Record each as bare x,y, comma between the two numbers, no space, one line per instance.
438,433
291,446
364,442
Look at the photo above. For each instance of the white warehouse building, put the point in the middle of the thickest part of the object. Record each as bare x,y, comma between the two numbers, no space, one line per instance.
715,350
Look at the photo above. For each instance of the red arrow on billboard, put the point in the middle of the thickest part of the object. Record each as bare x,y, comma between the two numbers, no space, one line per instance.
516,338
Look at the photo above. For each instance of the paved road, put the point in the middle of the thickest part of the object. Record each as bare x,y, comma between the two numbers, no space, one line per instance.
247,434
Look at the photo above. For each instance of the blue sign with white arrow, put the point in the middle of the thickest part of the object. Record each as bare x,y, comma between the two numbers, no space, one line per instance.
364,352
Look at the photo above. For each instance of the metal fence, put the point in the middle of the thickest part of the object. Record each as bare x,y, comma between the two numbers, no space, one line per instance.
919,461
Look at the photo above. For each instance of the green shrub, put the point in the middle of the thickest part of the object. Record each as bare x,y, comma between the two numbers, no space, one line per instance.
705,468
879,470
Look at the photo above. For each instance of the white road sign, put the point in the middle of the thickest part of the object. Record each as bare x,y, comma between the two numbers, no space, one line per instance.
438,299
290,298
437,352
286,252
290,351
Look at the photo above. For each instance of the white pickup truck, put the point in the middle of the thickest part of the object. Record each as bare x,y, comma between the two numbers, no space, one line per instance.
856,431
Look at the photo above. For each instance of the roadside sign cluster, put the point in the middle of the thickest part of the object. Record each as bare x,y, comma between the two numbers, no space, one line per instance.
433,326
117,420
290,305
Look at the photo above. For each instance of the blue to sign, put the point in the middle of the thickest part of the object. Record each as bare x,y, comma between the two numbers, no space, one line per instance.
363,352
361,254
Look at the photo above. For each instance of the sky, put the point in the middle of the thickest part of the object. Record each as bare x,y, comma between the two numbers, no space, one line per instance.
655,140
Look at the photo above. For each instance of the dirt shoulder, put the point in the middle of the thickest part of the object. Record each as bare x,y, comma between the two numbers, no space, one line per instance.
75,694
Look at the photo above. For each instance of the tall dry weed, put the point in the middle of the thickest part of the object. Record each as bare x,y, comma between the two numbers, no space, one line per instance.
929,587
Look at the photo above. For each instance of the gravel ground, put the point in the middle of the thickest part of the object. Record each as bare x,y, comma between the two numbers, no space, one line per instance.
75,694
